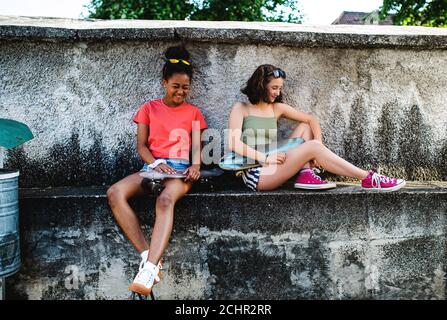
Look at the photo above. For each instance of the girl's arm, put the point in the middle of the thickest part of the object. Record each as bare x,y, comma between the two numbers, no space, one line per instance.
142,148
286,111
193,172
235,143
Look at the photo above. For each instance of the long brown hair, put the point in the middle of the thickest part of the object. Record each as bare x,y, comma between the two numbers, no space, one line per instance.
255,89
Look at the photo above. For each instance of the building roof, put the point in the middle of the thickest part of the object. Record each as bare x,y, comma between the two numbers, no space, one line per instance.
354,17
350,17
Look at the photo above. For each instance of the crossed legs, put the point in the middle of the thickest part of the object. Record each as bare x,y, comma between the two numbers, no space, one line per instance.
164,211
118,196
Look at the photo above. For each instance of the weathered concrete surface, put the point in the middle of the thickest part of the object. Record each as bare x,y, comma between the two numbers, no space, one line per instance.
269,33
339,244
379,92
380,96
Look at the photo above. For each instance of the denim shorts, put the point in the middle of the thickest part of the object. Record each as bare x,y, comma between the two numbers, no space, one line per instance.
176,164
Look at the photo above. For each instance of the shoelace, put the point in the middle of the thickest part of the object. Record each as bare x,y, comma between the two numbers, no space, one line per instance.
378,179
144,259
143,262
157,277
159,265
153,274
315,175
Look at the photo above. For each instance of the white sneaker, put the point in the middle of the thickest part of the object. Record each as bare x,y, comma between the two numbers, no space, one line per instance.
145,279
144,255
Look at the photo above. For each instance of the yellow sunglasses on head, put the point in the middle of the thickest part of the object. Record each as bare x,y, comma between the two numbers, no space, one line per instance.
179,60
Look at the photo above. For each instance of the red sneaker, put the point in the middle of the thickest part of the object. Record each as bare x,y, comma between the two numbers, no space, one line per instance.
307,179
377,182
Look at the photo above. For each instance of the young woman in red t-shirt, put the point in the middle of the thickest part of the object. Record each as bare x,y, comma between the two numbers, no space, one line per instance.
167,130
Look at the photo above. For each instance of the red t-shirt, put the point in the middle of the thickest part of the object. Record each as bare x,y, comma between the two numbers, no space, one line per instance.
170,127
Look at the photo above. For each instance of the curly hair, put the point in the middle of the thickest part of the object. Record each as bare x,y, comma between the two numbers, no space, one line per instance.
255,89
182,65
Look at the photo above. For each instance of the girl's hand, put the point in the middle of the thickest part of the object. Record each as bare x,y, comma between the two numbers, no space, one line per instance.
276,158
192,173
164,168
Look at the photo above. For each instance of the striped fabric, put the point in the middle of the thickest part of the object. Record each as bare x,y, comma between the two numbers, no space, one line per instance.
251,178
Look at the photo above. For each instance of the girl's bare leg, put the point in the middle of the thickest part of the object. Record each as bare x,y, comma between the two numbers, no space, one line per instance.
273,176
304,131
164,216
118,196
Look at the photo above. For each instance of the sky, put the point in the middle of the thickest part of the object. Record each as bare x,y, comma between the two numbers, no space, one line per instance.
315,11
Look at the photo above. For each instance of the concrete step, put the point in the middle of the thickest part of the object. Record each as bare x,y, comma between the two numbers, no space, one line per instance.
235,244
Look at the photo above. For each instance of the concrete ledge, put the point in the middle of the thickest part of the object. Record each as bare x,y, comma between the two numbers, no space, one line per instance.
339,36
341,244
235,189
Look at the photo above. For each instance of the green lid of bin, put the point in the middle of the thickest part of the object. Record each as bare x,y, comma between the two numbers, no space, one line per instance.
13,133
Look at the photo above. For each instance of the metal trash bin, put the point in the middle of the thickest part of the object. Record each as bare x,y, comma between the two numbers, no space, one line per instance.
9,223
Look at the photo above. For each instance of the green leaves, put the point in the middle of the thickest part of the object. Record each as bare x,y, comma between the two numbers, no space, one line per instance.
216,10
428,13
140,9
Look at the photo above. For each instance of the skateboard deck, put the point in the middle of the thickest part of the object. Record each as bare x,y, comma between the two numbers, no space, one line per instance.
236,162
152,179
155,175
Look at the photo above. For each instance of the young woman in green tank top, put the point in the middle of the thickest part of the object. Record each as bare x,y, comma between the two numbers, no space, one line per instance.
253,126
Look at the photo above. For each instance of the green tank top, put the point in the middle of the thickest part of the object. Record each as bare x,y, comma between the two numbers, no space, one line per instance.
258,131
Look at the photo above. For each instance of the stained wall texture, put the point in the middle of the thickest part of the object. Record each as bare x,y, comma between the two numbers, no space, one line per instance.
342,244
379,93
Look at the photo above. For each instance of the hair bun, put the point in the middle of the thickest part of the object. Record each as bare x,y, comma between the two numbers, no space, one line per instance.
170,68
178,52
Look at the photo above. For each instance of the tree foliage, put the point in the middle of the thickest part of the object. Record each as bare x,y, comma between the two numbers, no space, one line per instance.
248,10
140,9
429,13
217,10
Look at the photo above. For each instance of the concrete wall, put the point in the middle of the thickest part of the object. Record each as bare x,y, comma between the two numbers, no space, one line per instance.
341,244
379,92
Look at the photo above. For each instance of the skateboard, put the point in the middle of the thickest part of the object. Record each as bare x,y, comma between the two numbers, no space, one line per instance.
236,162
152,179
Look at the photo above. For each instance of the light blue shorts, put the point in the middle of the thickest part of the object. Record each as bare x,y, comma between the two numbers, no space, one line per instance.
176,164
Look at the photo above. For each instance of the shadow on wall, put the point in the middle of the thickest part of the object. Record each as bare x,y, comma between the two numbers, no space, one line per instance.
67,165
403,149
